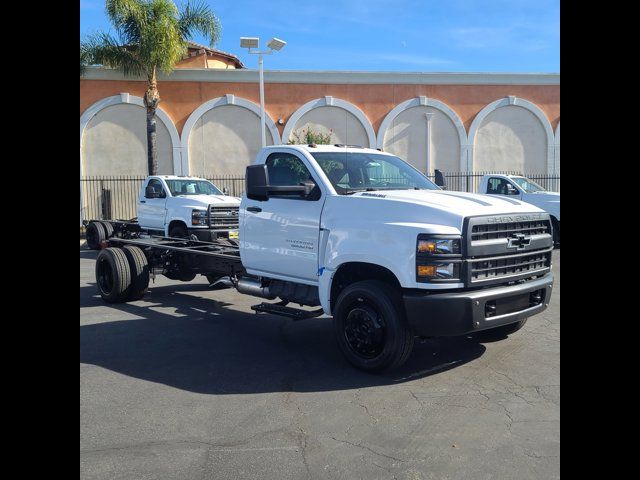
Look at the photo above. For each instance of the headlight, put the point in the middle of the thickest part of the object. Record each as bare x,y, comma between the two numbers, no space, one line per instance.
439,271
438,258
198,217
439,246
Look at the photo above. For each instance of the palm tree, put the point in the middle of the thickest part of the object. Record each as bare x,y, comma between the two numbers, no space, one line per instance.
151,36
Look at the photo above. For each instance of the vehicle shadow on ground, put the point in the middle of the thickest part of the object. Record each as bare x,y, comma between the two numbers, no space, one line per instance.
206,346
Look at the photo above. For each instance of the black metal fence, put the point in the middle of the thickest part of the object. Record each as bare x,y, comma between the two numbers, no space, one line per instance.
115,197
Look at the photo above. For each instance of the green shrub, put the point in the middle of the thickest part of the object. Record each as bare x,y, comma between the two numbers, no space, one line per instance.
307,136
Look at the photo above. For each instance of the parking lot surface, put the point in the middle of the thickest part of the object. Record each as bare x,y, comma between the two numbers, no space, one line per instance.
190,383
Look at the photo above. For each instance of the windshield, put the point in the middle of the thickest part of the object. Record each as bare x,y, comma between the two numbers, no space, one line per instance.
357,172
527,185
192,187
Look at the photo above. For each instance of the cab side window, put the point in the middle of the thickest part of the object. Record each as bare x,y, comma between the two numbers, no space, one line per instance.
286,169
157,187
497,186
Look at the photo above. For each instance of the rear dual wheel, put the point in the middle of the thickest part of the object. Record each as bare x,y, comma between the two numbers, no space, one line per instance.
122,274
98,232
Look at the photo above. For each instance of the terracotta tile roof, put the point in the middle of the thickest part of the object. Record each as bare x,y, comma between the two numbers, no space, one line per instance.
213,51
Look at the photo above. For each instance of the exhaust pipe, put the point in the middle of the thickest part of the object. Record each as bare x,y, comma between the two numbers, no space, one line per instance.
250,286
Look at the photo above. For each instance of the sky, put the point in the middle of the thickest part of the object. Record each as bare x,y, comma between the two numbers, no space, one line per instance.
385,35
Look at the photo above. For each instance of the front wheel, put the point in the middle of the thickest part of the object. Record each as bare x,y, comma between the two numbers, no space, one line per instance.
371,328
179,231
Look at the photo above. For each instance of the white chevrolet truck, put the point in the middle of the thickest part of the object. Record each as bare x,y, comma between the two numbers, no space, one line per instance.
360,235
525,189
179,207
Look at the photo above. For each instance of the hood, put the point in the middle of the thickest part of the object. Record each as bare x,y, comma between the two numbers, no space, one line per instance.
555,196
206,200
547,201
458,203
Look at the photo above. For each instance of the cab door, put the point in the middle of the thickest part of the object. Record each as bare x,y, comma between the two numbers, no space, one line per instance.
280,235
152,210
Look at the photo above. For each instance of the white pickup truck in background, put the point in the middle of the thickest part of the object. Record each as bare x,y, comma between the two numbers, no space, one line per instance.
522,188
178,207
368,239
182,206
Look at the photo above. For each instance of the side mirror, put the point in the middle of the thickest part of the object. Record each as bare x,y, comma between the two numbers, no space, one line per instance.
257,182
439,180
149,192
258,188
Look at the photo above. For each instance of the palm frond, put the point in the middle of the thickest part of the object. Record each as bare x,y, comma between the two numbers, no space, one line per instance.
197,17
123,12
103,49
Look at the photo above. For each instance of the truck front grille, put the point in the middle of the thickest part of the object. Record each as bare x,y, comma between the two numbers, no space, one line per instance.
223,217
489,231
529,264
506,248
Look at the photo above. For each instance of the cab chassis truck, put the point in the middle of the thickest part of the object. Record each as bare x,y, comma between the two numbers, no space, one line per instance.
369,240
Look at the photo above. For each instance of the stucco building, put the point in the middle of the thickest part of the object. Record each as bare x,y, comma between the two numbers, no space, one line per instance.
209,117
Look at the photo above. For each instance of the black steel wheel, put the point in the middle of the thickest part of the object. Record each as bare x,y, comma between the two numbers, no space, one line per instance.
364,330
95,235
179,231
113,275
371,328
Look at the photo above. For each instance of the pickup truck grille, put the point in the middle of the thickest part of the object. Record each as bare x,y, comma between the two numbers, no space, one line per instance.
504,248
223,217
505,230
533,263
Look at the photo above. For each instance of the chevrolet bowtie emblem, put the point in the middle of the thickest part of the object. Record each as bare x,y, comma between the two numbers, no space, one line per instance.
519,241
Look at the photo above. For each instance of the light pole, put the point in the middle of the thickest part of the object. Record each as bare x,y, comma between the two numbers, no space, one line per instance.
252,43
429,116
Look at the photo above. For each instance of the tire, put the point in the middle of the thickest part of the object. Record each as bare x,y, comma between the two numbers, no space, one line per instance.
108,229
371,327
139,268
113,275
179,231
503,331
95,235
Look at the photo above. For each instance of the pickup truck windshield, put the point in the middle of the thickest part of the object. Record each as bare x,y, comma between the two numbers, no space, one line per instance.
356,172
527,185
192,187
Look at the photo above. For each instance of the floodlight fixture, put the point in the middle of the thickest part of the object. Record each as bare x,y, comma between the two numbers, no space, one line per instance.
276,44
249,42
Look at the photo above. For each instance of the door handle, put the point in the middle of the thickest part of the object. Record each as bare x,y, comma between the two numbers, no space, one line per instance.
143,201
254,209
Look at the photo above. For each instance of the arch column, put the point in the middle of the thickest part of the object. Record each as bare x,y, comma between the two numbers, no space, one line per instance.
556,150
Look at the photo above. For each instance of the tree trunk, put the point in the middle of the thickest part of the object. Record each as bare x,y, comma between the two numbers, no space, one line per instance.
151,101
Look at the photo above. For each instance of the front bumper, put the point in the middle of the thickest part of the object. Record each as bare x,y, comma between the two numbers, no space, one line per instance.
458,313
208,235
